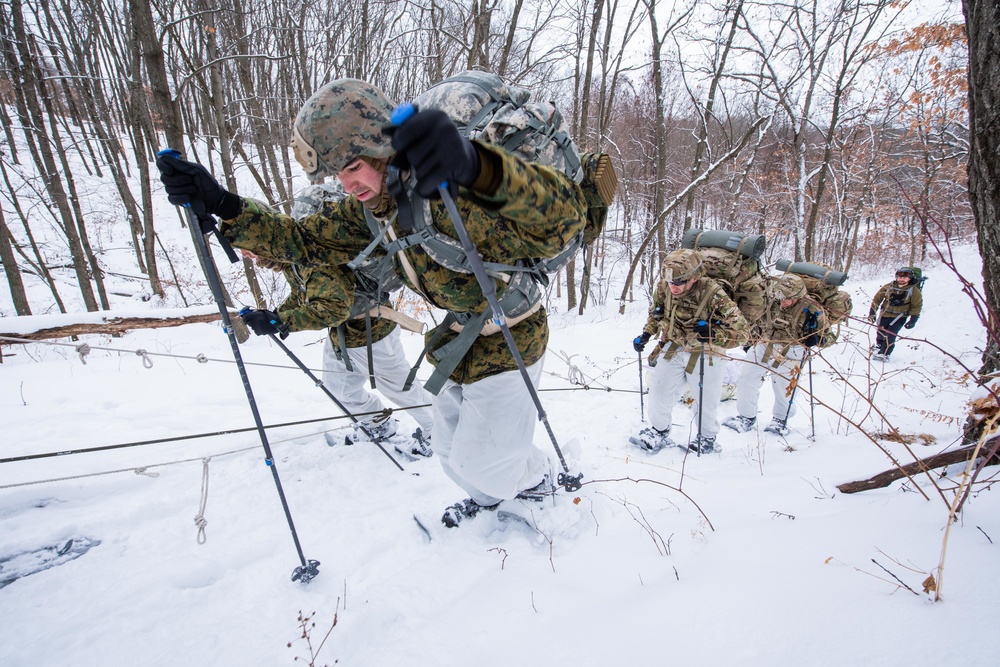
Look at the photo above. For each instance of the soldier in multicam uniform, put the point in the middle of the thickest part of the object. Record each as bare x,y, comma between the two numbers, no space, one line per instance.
690,314
484,418
891,306
790,326
328,296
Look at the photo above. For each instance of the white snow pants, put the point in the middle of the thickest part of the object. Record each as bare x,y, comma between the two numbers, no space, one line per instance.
752,375
667,380
391,369
483,435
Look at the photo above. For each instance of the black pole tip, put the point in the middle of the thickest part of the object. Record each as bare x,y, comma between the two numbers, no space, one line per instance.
570,482
306,573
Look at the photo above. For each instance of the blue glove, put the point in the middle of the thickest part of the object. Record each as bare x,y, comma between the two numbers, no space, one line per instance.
429,142
912,323
640,342
264,322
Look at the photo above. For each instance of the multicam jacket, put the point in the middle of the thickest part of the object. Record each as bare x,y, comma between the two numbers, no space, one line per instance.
898,300
672,318
322,297
792,325
534,212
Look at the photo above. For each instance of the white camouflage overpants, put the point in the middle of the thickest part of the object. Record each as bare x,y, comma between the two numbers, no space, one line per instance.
391,369
483,435
667,380
752,375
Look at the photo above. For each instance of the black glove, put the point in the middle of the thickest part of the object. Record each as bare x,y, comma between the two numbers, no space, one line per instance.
871,316
430,144
190,184
912,323
812,340
640,341
264,322
703,330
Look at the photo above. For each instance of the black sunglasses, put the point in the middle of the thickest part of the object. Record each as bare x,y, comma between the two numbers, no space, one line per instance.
678,283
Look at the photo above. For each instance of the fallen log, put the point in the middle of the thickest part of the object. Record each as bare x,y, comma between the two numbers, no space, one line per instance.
883,479
111,325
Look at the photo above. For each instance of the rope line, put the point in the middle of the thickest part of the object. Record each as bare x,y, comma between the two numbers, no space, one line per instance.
137,470
84,349
199,519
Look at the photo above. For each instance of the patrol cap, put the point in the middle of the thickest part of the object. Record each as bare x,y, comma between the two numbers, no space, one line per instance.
341,121
790,286
682,265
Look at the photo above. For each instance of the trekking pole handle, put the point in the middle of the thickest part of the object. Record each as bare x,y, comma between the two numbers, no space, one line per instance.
204,219
402,113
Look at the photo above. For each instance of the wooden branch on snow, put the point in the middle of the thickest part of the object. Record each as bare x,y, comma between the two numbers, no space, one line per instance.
112,325
886,478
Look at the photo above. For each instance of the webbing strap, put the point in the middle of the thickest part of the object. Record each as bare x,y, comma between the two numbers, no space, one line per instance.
368,340
692,361
342,344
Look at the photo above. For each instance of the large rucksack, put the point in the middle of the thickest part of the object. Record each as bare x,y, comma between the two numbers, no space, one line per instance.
918,276
733,260
823,286
486,108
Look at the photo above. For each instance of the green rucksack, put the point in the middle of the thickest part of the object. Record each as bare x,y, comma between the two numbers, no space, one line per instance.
822,284
733,260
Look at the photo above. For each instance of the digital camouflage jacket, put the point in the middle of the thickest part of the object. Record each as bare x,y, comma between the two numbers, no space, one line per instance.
534,213
672,319
322,297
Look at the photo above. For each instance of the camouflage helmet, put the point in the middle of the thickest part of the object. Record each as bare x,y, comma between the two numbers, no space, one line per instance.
311,199
342,120
790,286
682,265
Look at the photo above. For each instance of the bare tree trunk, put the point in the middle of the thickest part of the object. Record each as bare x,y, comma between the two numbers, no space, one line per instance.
29,87
11,270
982,22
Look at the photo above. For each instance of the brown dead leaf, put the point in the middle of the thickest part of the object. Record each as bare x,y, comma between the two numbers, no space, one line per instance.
929,584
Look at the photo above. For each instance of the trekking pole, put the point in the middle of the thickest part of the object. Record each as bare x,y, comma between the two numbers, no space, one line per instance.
319,383
569,482
812,403
791,398
307,570
642,402
701,391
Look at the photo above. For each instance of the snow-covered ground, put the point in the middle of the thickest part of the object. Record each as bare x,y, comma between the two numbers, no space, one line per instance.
748,557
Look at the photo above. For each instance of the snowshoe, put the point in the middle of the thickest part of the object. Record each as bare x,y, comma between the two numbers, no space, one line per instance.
379,431
461,511
652,439
539,491
24,563
740,424
704,445
778,427
417,448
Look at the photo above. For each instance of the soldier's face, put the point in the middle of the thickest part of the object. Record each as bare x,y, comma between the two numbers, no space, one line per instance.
903,279
361,180
788,303
677,290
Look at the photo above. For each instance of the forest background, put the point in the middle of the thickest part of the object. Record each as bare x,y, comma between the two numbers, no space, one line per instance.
838,129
